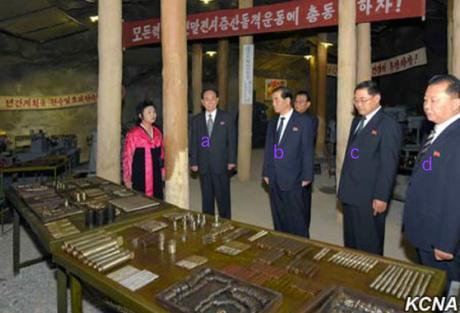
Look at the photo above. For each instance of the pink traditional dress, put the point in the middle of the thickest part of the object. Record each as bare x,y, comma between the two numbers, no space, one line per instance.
143,161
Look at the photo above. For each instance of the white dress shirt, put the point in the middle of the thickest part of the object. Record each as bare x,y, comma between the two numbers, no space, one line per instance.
213,115
439,128
371,115
286,116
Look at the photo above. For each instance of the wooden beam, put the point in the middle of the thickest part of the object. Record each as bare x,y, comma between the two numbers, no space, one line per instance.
364,66
109,90
197,76
245,114
322,92
346,77
222,72
174,48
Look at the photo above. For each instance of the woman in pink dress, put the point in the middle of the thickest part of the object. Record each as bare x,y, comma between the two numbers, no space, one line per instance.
143,154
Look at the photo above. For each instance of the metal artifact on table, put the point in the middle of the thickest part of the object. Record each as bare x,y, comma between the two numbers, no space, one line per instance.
209,290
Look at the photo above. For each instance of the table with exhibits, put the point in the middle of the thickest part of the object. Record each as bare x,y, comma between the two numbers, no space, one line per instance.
166,259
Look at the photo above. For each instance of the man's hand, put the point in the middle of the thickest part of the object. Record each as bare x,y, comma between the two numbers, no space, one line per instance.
231,166
194,168
266,180
129,185
442,256
379,206
305,183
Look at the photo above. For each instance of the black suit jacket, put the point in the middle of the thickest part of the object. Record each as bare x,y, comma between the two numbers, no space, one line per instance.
222,149
315,121
371,161
296,163
432,209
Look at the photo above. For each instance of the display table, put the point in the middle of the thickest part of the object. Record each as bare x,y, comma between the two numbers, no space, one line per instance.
302,274
42,234
159,258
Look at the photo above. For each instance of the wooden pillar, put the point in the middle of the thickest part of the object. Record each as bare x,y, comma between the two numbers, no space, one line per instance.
364,47
197,76
455,51
245,114
313,72
174,47
321,50
109,102
222,73
346,77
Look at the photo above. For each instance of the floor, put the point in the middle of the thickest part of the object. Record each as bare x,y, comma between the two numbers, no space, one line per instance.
34,289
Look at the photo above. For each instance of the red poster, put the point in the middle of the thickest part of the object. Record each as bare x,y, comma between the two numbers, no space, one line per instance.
290,15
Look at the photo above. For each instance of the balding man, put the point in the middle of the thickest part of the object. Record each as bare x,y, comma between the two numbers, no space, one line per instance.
432,210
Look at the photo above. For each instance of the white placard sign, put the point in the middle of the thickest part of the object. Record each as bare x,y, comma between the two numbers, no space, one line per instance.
247,75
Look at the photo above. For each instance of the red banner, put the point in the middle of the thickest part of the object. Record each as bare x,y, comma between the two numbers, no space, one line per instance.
290,15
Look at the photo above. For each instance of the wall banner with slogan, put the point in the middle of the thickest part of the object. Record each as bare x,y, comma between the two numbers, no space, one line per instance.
390,66
285,16
46,102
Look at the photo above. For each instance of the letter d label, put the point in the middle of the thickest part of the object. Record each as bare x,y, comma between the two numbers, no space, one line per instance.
427,165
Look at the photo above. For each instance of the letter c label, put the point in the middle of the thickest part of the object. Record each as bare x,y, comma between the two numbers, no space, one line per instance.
354,153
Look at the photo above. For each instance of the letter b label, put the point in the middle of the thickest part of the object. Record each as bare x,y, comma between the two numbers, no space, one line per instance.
278,153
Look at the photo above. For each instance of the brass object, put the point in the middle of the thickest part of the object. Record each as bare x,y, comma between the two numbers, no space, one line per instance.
126,256
106,245
67,243
91,244
425,284
172,246
96,258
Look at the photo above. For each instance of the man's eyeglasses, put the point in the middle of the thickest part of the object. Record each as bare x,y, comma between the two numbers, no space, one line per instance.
361,100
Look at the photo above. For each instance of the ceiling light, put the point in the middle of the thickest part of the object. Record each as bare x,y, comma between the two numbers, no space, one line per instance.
94,18
327,44
308,57
211,53
205,1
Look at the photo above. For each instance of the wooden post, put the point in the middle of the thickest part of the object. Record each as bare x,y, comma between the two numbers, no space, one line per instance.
109,102
364,66
346,77
313,72
197,76
222,73
245,114
321,50
174,48
455,57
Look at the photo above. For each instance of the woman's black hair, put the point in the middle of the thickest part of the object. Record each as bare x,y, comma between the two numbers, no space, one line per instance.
140,107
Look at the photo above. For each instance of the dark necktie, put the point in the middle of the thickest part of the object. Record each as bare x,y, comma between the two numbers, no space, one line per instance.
360,126
279,130
428,142
210,124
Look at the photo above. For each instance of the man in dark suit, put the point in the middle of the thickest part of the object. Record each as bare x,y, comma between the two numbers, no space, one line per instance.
213,153
302,105
432,210
288,164
369,170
